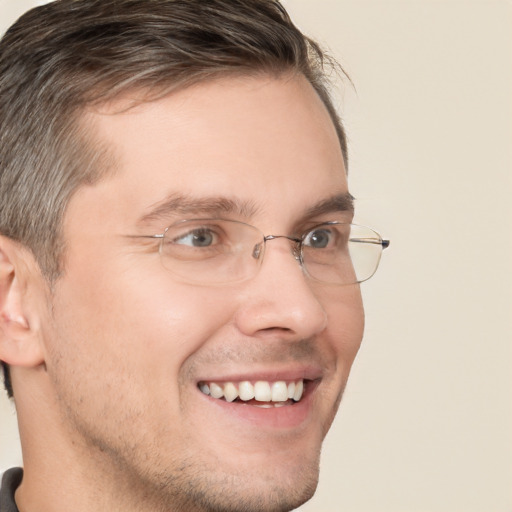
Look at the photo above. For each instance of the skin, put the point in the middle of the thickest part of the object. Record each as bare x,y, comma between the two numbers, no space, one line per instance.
106,373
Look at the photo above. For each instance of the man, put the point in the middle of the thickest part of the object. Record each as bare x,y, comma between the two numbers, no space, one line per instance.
179,280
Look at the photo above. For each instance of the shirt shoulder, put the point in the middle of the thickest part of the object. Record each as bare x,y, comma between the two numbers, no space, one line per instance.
10,482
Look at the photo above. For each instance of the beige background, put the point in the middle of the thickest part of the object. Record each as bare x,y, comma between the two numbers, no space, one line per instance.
426,423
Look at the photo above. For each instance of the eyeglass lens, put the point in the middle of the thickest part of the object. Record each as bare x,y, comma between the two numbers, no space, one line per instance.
214,251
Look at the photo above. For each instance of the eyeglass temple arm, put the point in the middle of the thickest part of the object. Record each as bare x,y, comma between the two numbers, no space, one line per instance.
384,243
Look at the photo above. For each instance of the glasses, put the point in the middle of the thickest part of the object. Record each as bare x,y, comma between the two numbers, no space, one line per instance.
219,251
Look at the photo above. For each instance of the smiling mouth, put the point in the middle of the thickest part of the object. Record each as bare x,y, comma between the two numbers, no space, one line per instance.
261,393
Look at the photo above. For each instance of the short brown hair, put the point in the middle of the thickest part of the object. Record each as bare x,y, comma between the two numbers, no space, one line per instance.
62,57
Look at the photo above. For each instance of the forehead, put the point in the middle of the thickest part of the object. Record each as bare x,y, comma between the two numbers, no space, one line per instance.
265,142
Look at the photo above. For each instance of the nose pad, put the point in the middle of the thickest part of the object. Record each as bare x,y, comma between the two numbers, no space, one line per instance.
257,250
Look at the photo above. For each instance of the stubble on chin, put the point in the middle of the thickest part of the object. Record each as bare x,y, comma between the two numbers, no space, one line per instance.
195,490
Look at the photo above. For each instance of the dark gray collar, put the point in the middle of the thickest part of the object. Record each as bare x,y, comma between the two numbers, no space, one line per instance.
10,482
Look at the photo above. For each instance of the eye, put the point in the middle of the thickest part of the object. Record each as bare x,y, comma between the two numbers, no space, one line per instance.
201,237
319,238
195,241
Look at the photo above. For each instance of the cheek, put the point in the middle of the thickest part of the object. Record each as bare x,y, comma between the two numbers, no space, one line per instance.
346,323
173,320
117,353
140,326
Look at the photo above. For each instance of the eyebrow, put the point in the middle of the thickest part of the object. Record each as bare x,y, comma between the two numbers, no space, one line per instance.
182,205
338,203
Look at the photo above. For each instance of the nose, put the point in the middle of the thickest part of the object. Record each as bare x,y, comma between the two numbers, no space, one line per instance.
280,298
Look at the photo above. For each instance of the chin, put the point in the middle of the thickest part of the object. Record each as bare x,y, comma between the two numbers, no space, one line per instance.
256,481
254,495
274,484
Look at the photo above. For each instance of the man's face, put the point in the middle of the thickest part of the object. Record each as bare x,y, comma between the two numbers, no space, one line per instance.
129,344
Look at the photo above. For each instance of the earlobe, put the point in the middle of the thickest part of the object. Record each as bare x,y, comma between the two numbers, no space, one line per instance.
19,343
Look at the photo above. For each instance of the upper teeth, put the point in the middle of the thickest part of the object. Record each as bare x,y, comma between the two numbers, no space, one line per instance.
262,391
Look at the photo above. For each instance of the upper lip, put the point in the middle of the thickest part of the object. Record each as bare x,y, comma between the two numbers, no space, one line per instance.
309,372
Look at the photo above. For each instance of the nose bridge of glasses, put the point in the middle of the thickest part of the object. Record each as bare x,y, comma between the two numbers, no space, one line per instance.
296,244
258,248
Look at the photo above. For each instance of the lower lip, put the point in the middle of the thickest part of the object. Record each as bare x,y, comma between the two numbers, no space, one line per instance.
285,417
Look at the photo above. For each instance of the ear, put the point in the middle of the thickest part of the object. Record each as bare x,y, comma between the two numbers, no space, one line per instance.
19,337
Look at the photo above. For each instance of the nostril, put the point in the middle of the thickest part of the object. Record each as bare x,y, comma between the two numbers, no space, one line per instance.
278,330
